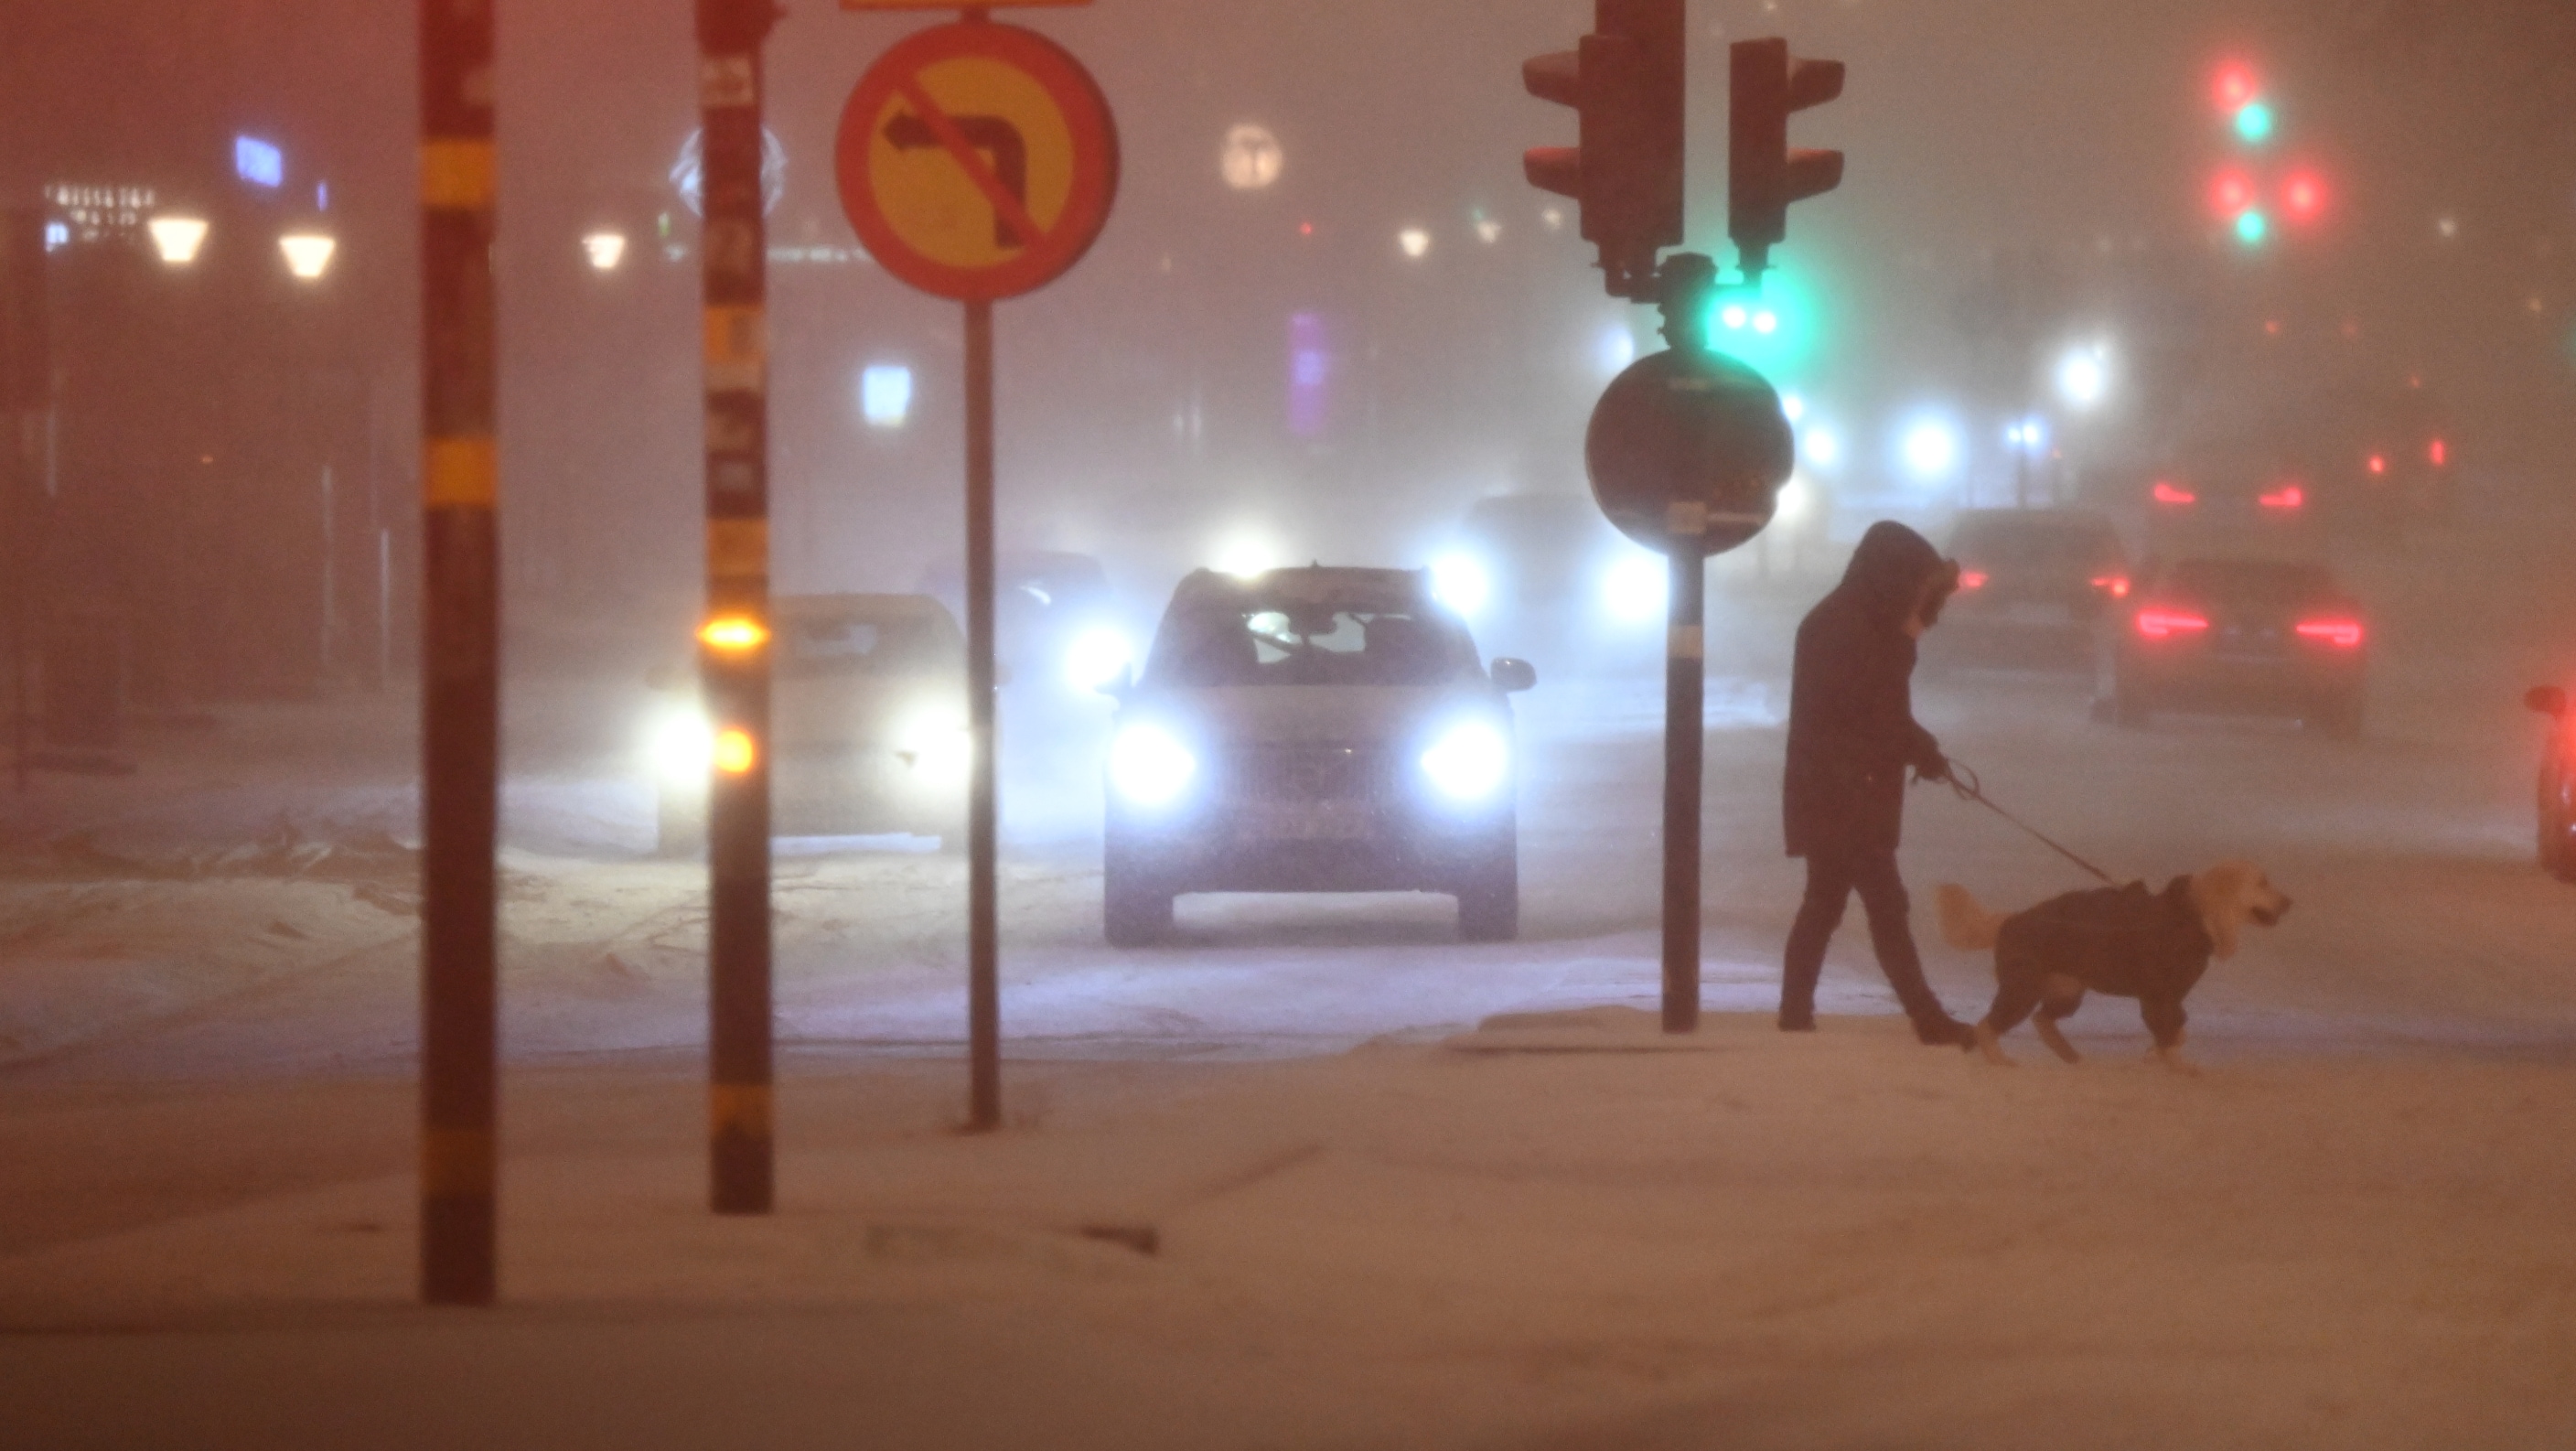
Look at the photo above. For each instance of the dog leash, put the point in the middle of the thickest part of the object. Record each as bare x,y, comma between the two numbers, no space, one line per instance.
1965,782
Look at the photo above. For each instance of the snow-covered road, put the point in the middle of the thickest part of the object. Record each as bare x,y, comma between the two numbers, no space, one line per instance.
243,903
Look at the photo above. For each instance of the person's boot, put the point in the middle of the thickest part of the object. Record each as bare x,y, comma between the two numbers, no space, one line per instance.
1937,1029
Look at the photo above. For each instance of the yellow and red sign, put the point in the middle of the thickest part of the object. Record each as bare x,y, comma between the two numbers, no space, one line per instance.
977,161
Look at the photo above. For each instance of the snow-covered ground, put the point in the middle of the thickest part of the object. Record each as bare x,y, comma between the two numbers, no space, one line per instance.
2347,1233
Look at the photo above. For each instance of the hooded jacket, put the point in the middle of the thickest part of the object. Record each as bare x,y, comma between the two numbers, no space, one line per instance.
1852,731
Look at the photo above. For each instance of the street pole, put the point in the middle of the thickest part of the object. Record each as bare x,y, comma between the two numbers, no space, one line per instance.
983,922
460,665
26,392
735,644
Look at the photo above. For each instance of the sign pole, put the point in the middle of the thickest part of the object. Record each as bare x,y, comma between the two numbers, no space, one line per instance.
983,922
991,107
734,646
1685,686
460,660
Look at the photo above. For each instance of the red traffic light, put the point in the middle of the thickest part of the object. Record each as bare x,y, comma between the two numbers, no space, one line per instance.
2231,193
1764,174
2235,86
1626,85
2303,196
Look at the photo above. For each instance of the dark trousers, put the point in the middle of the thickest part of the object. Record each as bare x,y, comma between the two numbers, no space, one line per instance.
1831,879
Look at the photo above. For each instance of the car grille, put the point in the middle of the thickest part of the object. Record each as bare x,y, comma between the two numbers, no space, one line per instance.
1308,773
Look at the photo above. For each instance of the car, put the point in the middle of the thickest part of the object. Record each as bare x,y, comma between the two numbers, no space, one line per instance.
1055,618
2239,634
868,730
1546,576
2029,578
1313,730
2557,783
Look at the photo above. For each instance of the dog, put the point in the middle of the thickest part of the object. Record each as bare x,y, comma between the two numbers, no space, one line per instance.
2125,941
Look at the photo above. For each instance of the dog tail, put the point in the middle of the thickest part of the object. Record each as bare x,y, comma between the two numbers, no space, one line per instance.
1965,924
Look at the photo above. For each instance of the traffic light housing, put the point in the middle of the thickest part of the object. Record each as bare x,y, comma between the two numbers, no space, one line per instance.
1764,176
1626,83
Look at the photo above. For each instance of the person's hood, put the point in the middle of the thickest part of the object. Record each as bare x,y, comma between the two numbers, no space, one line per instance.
1888,570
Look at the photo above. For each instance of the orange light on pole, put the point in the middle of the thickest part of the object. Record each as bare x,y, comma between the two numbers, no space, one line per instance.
734,634
736,751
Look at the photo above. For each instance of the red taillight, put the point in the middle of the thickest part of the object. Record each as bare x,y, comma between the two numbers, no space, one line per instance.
2166,493
2379,463
1972,579
2114,585
2439,453
2342,634
2158,624
2285,498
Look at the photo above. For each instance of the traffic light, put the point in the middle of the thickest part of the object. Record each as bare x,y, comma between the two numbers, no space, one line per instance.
1763,174
1626,84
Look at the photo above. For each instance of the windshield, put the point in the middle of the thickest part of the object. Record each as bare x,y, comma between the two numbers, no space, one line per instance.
2035,542
1316,645
848,645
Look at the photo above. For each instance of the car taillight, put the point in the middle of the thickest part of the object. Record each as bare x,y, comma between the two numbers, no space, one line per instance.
2342,634
2439,453
2173,497
2378,463
2163,624
2114,585
1972,579
2285,498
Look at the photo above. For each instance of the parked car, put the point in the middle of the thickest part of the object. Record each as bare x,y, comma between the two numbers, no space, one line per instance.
2031,580
1055,619
868,730
2557,783
1546,576
2248,635
1313,730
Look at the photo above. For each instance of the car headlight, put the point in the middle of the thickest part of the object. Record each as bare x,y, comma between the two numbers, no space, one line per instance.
936,747
1149,767
1469,763
681,747
1461,582
1636,588
1096,659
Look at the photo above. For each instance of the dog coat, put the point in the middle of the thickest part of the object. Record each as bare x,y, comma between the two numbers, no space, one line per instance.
2125,941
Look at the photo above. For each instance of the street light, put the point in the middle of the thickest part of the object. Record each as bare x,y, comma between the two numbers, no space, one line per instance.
1415,242
1931,449
178,238
308,254
2084,377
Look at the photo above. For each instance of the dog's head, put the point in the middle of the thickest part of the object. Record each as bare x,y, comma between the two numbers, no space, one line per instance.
2232,894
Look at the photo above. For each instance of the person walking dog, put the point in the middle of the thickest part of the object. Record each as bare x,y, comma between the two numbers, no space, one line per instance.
1852,734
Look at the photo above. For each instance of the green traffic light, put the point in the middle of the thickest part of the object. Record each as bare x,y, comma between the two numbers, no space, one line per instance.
1776,331
2254,121
2252,227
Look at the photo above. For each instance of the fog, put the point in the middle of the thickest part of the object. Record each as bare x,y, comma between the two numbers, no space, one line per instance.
1328,321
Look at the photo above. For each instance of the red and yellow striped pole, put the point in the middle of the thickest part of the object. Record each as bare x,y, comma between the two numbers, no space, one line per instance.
734,646
460,659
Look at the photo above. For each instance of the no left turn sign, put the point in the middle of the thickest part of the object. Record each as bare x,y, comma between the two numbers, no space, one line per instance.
977,161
